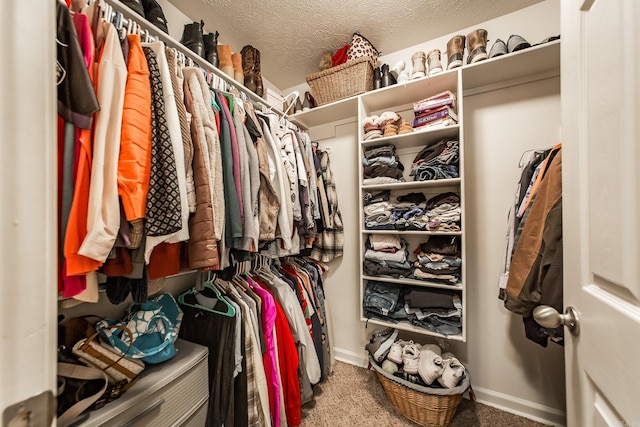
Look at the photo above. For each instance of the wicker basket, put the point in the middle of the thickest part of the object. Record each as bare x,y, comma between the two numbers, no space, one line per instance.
349,79
425,409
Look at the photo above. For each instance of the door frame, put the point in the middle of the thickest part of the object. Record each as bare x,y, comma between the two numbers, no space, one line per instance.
28,151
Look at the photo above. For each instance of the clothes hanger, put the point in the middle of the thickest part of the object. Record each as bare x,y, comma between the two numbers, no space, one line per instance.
210,304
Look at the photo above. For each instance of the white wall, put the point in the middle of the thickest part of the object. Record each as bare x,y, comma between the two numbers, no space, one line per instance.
176,21
507,370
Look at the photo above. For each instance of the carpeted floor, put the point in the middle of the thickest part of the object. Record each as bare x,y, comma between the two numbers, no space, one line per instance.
353,396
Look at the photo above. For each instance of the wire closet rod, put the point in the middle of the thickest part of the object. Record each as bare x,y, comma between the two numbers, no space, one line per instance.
149,32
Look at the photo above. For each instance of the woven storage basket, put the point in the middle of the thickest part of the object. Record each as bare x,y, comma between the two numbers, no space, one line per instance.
417,403
349,79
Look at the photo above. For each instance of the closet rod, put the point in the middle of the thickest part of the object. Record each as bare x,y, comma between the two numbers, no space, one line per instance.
171,42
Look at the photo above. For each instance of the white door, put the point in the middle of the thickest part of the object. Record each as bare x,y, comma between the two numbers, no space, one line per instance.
27,212
601,195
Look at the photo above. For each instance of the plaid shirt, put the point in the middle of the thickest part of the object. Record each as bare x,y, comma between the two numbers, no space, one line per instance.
330,243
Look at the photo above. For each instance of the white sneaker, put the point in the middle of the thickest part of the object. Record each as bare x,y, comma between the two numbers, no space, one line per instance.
429,365
410,358
453,371
395,353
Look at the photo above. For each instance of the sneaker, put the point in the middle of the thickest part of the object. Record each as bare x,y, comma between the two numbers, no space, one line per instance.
410,358
430,365
498,48
395,352
381,342
453,371
516,43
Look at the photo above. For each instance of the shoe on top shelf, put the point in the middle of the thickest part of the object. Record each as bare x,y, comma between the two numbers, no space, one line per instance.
499,48
516,43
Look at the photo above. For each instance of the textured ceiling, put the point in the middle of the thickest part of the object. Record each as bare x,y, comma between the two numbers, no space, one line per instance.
292,34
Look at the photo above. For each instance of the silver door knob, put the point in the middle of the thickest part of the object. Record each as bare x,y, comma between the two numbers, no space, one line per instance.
549,317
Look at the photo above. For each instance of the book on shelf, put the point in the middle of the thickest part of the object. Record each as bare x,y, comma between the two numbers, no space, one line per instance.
443,98
438,113
445,121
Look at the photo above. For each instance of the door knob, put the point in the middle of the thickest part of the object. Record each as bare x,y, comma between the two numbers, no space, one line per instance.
549,317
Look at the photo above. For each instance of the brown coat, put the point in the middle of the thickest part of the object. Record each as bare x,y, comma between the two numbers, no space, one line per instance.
535,276
203,245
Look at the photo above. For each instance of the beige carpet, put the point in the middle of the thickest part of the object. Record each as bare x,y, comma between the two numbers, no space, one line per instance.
353,396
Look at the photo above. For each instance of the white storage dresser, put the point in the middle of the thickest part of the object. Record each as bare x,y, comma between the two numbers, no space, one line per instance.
173,393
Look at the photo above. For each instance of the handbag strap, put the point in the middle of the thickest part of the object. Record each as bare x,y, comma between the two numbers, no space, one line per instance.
70,370
85,345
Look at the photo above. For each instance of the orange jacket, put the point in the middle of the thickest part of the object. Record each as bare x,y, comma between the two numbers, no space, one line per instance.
134,163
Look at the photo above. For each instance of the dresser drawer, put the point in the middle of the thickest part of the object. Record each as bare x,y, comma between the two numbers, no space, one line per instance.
167,394
199,418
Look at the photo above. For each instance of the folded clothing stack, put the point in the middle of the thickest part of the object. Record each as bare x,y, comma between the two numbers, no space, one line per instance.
412,212
438,260
436,310
437,161
386,256
381,166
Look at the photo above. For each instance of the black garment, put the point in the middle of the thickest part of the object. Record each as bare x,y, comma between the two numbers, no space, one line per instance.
381,170
382,196
217,333
444,245
77,100
429,298
416,198
154,14
164,212
431,151
449,197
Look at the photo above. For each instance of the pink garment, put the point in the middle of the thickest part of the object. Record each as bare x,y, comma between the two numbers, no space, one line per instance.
85,37
270,357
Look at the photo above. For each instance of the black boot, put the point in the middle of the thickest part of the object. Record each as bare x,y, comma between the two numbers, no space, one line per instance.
377,78
387,77
192,37
211,48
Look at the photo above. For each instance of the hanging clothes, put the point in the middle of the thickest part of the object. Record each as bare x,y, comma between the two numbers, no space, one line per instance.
534,274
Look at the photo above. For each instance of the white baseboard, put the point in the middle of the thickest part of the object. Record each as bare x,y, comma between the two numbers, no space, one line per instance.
350,357
524,408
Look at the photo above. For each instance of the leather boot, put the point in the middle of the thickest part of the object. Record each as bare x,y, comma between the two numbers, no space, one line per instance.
211,48
387,77
257,74
477,46
192,37
377,78
248,63
455,51
238,75
224,55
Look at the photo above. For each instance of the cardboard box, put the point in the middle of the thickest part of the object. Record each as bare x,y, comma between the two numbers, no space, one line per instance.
273,99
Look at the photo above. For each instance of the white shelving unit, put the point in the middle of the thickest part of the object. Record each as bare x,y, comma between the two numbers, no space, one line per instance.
532,64
400,100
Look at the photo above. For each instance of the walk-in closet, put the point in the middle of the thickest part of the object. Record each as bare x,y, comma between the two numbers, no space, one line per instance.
323,214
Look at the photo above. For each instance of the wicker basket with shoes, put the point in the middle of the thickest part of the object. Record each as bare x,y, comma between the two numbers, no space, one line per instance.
342,81
426,406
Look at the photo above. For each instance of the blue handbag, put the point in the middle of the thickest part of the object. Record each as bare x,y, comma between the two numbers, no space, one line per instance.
154,327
